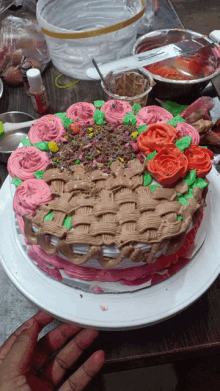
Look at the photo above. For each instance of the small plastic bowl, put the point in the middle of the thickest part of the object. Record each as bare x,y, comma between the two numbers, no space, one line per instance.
138,98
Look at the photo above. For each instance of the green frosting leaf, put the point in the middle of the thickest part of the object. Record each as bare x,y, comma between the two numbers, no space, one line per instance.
136,108
49,217
2,132
153,187
129,118
202,146
67,222
66,121
141,128
179,218
190,192
25,142
39,174
16,181
184,143
190,178
175,120
188,195
200,183
61,115
43,146
147,179
99,103
182,201
174,108
151,156
99,117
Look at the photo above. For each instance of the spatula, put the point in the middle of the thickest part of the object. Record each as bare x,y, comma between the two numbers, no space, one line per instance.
151,56
10,126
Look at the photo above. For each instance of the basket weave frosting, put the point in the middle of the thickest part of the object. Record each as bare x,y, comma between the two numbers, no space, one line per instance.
114,211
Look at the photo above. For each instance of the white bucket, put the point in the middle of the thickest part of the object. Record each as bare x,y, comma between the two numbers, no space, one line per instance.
77,30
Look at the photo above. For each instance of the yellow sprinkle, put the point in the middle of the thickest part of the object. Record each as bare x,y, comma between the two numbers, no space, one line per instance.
66,137
49,119
90,134
98,151
90,129
53,147
135,134
81,143
122,160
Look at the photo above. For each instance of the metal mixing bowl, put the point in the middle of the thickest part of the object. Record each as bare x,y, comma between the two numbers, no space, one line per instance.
167,88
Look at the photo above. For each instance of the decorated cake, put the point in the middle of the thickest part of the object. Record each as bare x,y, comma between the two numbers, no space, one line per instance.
110,192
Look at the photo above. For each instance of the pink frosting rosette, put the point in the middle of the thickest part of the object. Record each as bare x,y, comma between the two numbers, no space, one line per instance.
152,115
115,111
47,128
185,129
82,113
24,161
29,195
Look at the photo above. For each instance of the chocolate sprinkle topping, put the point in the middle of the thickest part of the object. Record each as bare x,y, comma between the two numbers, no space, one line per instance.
97,147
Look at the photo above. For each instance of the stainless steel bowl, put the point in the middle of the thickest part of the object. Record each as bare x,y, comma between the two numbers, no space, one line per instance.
11,139
167,88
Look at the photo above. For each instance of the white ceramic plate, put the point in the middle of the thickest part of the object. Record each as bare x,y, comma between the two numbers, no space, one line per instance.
122,311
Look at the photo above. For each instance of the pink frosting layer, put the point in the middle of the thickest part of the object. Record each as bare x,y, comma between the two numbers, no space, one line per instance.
47,128
89,274
185,129
81,113
29,195
136,276
24,161
115,111
153,115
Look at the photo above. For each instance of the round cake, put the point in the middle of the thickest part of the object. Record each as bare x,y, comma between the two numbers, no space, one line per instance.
110,192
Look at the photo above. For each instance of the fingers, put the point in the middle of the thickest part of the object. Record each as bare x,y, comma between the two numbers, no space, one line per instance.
79,380
68,356
51,342
18,357
42,319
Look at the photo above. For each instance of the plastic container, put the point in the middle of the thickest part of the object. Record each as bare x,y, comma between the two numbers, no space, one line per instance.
77,30
133,86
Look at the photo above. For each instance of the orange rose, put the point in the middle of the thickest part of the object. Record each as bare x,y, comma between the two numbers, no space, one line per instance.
156,137
199,159
168,165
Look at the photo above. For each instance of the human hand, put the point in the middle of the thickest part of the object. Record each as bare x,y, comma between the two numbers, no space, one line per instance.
22,357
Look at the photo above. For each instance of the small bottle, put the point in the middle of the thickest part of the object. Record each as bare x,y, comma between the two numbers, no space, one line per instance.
37,91
24,68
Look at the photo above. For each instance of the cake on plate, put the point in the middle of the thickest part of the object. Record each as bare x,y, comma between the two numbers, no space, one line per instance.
110,192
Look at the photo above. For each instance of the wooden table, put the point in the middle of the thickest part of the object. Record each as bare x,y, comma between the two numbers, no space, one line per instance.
192,333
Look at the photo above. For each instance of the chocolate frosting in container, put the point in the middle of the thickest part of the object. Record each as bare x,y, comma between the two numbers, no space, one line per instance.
47,128
81,113
29,195
153,115
115,111
25,161
185,129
